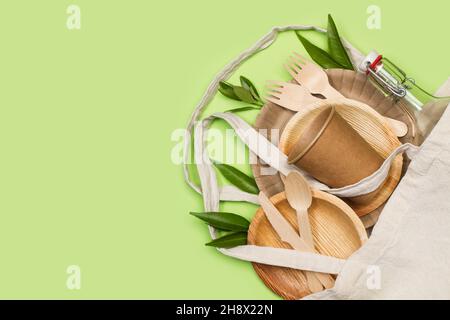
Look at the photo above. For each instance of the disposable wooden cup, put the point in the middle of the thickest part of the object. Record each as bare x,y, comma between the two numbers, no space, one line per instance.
334,153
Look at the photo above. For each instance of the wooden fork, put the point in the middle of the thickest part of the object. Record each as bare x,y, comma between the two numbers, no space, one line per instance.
311,76
289,95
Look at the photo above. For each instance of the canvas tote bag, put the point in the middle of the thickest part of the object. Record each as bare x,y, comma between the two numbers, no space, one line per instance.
408,254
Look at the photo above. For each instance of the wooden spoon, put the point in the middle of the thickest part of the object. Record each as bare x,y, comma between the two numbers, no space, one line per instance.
299,196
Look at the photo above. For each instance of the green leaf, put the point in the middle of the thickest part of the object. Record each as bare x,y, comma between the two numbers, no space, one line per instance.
248,108
229,241
320,56
248,85
238,178
223,220
244,95
247,93
337,49
228,90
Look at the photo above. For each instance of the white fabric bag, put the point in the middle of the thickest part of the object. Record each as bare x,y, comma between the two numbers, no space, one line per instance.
402,245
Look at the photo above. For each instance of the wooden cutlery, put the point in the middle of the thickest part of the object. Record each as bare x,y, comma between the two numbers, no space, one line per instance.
295,97
290,95
299,196
315,80
310,76
288,234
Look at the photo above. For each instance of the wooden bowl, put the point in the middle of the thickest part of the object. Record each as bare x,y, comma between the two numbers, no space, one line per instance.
370,125
336,229
352,85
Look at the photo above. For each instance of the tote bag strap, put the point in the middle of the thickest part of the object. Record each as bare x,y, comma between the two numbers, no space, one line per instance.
271,155
259,145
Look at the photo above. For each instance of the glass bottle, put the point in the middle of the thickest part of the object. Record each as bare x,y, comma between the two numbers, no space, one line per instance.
425,107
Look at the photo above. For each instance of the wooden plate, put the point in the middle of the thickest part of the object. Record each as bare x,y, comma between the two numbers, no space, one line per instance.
337,232
352,85
369,124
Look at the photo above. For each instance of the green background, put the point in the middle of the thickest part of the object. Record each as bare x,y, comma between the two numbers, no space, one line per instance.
86,117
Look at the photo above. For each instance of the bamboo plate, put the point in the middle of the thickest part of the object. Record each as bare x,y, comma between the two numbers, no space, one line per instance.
336,229
352,85
369,124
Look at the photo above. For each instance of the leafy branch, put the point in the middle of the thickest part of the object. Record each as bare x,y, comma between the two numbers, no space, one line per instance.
246,92
236,225
336,56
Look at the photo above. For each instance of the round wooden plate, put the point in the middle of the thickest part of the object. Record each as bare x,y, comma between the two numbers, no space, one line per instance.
352,85
336,229
369,124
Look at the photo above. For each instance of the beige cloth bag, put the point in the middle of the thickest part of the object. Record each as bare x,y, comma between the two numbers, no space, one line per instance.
406,257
